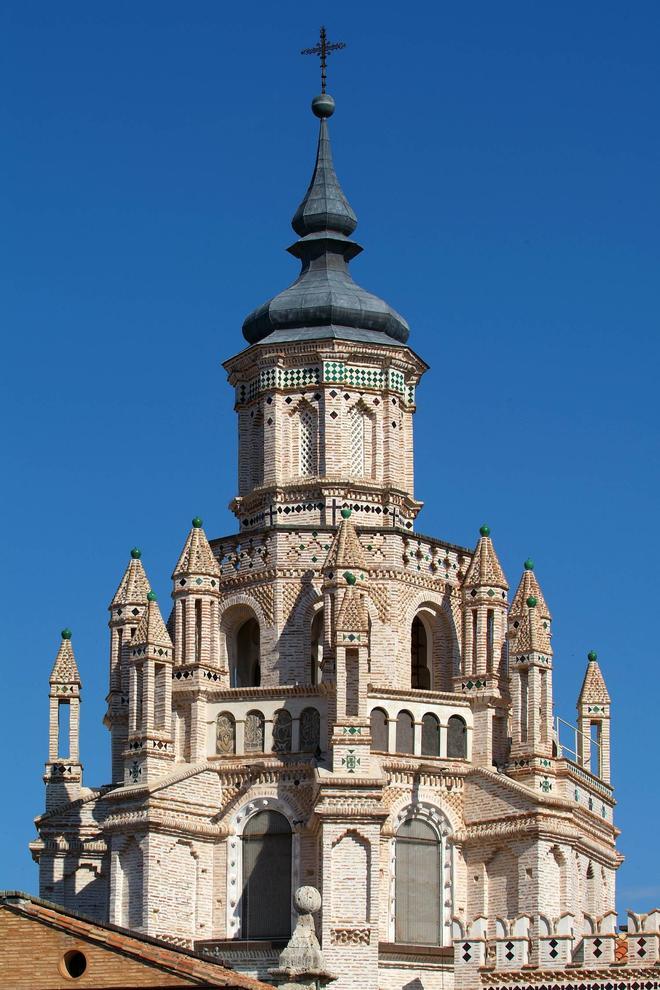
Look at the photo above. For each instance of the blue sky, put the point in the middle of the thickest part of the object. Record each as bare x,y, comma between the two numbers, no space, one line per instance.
503,161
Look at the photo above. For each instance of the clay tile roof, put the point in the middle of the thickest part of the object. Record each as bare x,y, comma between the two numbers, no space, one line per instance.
531,636
133,587
346,550
65,669
485,569
529,587
593,689
152,629
191,968
353,615
197,556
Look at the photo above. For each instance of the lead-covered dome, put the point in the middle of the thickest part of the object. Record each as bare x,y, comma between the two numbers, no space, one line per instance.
324,301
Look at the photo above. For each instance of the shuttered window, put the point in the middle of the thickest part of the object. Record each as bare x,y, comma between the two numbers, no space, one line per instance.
379,730
418,884
405,733
430,735
266,900
456,738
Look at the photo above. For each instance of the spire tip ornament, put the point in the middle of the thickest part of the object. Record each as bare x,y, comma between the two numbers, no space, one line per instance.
66,634
323,48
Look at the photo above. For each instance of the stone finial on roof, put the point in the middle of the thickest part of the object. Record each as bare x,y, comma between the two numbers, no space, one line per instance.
593,691
65,669
301,965
529,587
346,552
533,632
151,631
196,556
485,569
134,585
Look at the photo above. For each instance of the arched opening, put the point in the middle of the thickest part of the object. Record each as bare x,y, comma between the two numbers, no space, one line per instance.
430,735
253,733
378,721
456,738
418,884
420,673
248,655
266,899
310,730
282,731
305,437
225,734
316,648
405,733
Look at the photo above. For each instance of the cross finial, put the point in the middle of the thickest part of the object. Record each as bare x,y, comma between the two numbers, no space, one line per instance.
323,49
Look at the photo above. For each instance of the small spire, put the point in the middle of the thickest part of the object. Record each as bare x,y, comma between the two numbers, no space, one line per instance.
151,631
485,569
594,690
324,207
532,634
134,585
346,553
529,587
196,556
353,616
65,669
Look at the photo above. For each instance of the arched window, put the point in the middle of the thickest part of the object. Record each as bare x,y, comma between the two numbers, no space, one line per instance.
257,450
418,884
266,900
248,646
225,734
316,652
379,730
307,457
405,735
253,740
420,675
310,730
430,735
456,738
282,731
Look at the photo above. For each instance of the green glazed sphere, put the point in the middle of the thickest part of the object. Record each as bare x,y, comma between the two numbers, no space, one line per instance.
531,601
349,578
136,553
529,564
592,656
485,530
197,523
346,513
151,597
66,634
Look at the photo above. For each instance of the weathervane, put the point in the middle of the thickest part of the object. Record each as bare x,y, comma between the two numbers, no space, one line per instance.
323,49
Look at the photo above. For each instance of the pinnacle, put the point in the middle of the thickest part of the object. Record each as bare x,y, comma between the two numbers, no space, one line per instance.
594,690
485,569
151,630
353,615
134,585
65,669
346,552
529,587
533,632
196,556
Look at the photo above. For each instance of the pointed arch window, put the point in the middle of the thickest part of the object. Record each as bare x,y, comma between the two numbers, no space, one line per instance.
266,896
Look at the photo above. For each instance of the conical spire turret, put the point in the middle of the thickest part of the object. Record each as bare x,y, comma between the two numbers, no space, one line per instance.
134,585
65,669
324,208
529,587
152,631
485,568
196,557
346,550
594,690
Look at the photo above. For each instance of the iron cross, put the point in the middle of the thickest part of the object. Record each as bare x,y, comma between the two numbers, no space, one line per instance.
323,49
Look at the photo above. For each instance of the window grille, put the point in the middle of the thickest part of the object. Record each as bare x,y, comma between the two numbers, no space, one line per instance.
225,735
418,887
357,443
282,731
404,733
254,733
266,900
379,730
310,730
430,735
456,738
306,443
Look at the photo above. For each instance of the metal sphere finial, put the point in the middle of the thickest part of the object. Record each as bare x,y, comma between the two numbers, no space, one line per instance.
323,105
